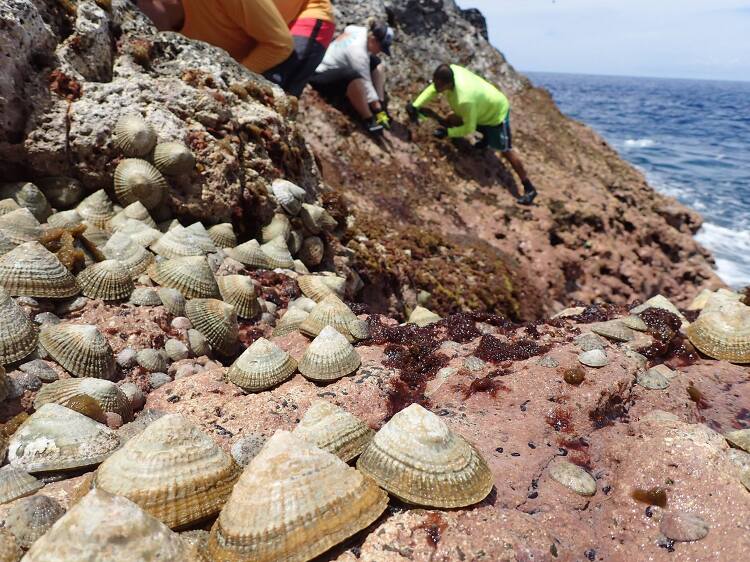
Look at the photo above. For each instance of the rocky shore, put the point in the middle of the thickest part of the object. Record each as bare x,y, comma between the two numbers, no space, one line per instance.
169,388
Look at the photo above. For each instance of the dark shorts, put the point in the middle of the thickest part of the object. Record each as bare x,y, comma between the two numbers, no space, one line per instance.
498,136
334,82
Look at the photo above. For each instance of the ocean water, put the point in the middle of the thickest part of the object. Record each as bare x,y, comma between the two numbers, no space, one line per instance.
692,140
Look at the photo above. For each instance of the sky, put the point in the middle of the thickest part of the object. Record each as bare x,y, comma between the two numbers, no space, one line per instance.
662,38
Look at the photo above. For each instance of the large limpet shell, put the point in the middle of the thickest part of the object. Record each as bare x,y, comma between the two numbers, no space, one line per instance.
223,235
573,477
106,393
613,330
216,320
422,316
30,518
176,243
261,366
97,209
173,158
137,180
682,526
102,526
278,253
135,257
290,322
593,358
57,438
250,254
33,271
316,219
318,287
20,226
145,296
172,470
18,335
723,334
293,502
29,196
80,348
108,280
279,226
331,311
288,195
418,459
139,232
333,429
135,211
191,275
239,291
16,483
65,219
202,237
134,136
330,356
172,300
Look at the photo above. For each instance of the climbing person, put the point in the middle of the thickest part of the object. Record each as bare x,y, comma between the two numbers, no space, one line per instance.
284,40
481,107
351,66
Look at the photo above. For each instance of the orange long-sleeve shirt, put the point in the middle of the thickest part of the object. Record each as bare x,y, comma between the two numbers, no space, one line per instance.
254,32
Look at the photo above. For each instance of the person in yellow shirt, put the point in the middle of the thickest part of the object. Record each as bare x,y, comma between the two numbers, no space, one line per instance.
283,39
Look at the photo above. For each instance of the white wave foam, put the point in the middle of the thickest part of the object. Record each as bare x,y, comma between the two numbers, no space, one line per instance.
639,143
729,247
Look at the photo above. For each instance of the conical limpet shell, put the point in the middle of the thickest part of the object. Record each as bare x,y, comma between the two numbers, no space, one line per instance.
594,358
682,526
293,502
191,275
421,316
139,232
108,280
65,219
137,180
216,320
223,235
6,244
261,366
20,226
330,356
250,254
614,330
312,251
152,360
122,248
722,300
173,158
279,226
652,379
29,196
80,348
316,218
635,323
573,477
107,394
278,253
16,483
145,296
8,205
290,322
318,287
739,438
239,291
136,211
102,526
723,334
178,242
33,271
96,235
202,237
700,300
30,518
333,429
331,311
172,300
18,335
134,136
57,438
662,302
288,195
172,470
418,459
97,209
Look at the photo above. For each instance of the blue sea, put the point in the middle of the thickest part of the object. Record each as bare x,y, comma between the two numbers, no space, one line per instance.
691,139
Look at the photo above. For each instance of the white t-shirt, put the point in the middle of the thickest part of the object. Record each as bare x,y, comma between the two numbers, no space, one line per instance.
349,51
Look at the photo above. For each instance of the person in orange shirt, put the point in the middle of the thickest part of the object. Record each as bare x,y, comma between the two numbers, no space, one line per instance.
283,39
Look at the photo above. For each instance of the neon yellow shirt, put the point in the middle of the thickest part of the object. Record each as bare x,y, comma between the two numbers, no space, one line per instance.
474,99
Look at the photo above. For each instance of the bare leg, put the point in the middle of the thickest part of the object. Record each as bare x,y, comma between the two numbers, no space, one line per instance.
514,158
378,80
358,98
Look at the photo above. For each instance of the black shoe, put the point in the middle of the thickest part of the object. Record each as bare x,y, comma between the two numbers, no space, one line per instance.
373,127
527,198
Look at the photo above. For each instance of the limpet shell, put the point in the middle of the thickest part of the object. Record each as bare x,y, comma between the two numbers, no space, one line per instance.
65,219
250,254
312,252
106,393
191,275
303,303
239,291
176,243
594,358
682,526
33,271
134,136
333,429
635,323
18,335
197,343
331,311
739,438
102,526
223,235
135,257
279,226
422,316
418,459
288,195
723,334
154,361
318,287
294,241
96,235
573,477
278,253
97,209
173,158
172,300
137,180
30,518
20,226
290,322
662,302
614,330
61,192
29,196
80,348
261,366
6,245
139,232
652,379
135,211
216,320
300,268
316,218
145,296
9,549
8,205
293,502
86,405
108,280
330,356
16,483
57,438
202,237
172,470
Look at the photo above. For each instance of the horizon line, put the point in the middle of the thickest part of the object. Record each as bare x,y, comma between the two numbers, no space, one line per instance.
734,80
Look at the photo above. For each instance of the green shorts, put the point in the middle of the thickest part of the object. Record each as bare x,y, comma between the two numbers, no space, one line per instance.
498,136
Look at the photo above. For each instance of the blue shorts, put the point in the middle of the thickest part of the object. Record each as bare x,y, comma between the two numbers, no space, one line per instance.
498,136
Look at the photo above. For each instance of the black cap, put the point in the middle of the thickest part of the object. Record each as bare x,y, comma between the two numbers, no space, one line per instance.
384,34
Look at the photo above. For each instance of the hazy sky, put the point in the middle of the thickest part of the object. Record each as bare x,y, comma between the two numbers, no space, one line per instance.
669,38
